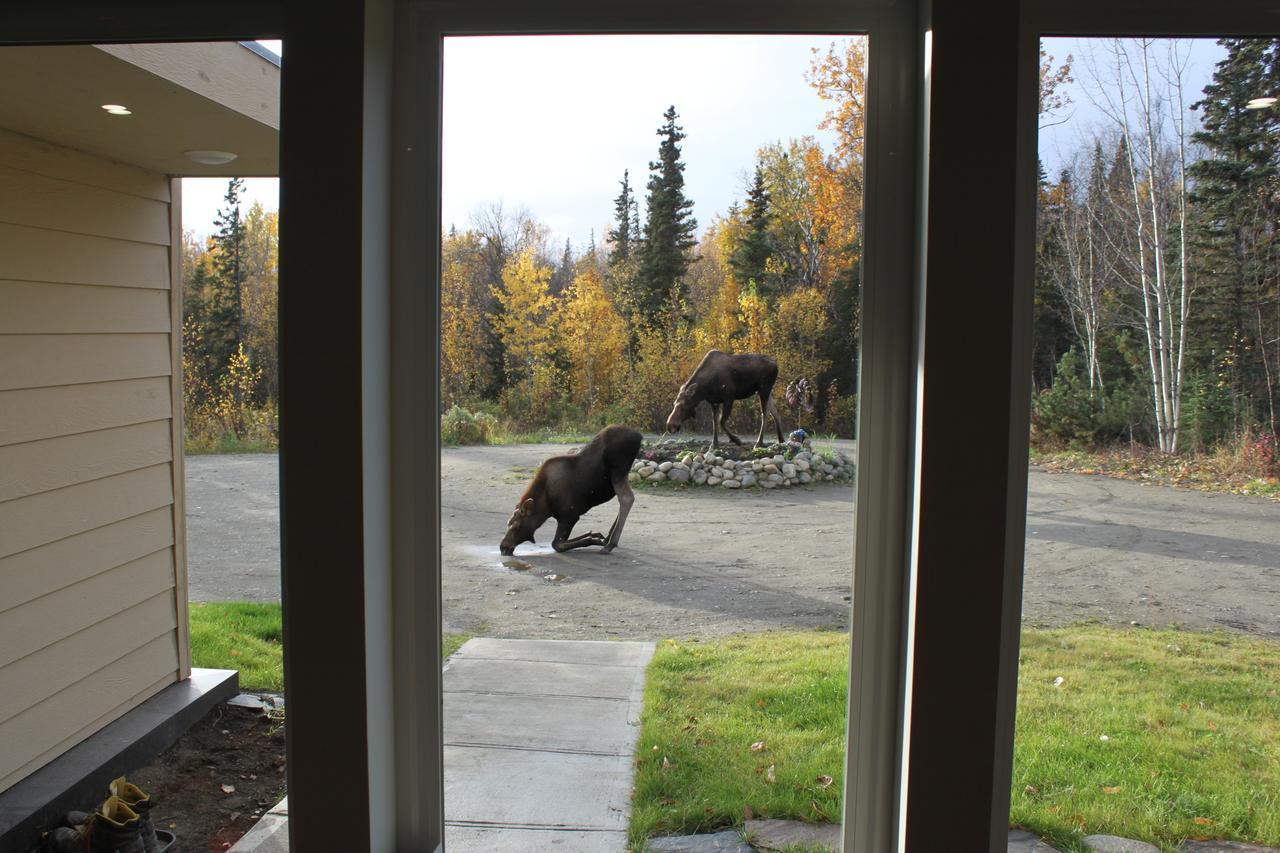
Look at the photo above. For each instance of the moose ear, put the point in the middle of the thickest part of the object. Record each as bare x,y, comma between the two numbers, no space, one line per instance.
527,506
690,387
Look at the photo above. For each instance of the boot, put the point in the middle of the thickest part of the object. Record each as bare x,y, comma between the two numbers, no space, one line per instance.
141,802
113,828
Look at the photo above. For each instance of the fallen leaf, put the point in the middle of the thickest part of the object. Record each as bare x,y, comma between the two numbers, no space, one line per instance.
1103,738
655,747
666,764
1057,682
1111,790
1031,789
667,801
757,746
747,813
1213,727
824,781
1203,821
228,789
233,653
768,774
759,703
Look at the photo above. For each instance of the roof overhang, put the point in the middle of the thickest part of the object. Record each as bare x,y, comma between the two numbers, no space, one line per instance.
222,96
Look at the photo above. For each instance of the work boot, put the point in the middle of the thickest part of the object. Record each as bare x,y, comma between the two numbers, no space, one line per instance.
141,802
113,828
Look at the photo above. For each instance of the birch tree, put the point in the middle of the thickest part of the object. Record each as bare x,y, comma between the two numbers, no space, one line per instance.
1140,91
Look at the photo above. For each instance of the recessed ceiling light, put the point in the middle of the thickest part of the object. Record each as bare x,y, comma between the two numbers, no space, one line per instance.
210,157
1260,103
117,109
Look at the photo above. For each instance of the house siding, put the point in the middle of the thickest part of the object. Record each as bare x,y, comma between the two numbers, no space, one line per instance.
92,576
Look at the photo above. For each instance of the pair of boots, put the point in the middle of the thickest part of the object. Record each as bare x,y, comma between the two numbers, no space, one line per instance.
122,824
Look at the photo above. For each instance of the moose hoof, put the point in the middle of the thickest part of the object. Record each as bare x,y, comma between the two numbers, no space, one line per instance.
606,549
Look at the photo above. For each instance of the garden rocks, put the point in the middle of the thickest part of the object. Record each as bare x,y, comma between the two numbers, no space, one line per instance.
786,834
778,466
728,841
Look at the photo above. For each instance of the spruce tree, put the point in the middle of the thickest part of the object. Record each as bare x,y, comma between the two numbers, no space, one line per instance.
224,315
668,230
623,234
1237,209
750,256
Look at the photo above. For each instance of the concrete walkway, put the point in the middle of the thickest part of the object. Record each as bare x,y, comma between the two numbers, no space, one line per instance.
538,744
539,737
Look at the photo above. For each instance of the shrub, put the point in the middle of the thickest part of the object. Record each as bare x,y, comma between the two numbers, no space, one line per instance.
1072,413
458,426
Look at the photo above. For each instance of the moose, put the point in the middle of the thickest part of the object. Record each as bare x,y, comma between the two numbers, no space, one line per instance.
720,379
565,487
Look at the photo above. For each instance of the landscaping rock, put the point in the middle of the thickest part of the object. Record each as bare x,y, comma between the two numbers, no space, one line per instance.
1116,844
732,484
714,481
1021,841
728,841
665,467
700,476
804,477
771,468
657,477
780,834
1223,847
788,471
748,479
678,475
801,464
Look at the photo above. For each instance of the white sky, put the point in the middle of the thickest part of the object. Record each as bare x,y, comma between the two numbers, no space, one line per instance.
550,122
1057,143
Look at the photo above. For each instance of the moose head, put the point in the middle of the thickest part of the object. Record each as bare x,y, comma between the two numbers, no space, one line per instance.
520,527
686,402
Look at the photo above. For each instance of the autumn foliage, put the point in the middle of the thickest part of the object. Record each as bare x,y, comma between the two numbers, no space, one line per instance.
543,339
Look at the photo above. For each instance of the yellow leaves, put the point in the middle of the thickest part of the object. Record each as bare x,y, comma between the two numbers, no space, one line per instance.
524,298
594,337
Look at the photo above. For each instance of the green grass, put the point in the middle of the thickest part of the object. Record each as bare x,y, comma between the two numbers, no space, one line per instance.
1192,724
1193,736
247,636
706,704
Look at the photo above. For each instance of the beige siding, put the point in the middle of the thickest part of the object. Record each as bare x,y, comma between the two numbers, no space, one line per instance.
92,590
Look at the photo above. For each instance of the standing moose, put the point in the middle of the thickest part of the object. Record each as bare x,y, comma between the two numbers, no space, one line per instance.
567,486
721,378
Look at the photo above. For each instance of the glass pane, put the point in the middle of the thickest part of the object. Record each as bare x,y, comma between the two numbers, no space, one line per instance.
638,229
1151,610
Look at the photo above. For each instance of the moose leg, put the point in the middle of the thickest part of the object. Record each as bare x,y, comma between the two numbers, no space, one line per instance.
724,421
562,542
777,421
715,424
764,417
625,499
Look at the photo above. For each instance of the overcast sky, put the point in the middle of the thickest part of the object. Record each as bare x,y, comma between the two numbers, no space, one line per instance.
550,122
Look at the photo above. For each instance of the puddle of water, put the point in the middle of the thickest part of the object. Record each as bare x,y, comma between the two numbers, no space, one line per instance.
518,565
554,578
490,555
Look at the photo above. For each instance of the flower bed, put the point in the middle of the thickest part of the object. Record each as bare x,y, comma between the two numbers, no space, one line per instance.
790,463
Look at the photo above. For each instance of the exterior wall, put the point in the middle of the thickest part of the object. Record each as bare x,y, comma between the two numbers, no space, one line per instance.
92,571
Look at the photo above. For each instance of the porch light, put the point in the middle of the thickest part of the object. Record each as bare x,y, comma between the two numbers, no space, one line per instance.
210,157
117,109
1260,103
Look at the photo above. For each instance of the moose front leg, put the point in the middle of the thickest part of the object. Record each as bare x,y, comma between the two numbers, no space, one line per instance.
768,408
562,542
724,421
625,499
715,425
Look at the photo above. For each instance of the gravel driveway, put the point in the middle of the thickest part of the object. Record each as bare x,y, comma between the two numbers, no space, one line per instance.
700,563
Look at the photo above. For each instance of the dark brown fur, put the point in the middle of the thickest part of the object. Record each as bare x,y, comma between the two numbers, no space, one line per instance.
720,379
565,487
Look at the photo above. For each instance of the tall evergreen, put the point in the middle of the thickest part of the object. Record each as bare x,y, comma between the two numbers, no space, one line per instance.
624,233
224,315
563,275
1237,209
751,255
668,230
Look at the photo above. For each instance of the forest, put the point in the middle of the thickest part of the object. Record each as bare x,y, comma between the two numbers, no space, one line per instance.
1157,312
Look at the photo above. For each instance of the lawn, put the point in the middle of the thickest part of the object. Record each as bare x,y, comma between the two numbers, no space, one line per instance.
247,636
755,723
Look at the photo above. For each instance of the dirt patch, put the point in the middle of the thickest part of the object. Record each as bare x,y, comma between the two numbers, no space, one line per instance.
228,748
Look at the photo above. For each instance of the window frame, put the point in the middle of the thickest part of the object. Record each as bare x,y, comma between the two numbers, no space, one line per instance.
887,361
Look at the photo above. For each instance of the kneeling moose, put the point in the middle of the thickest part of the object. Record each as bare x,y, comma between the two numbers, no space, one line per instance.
567,486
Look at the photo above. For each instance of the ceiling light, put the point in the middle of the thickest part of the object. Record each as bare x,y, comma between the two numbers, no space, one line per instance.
117,109
1260,103
210,158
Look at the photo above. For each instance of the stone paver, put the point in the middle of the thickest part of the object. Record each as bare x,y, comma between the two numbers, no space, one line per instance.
727,841
269,835
1021,841
780,834
539,737
1116,844
1224,847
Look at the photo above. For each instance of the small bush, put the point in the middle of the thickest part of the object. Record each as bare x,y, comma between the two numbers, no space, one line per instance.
1071,413
458,426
